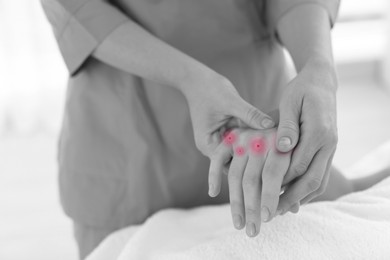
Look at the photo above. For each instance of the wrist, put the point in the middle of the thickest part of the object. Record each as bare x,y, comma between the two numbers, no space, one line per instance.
323,69
321,62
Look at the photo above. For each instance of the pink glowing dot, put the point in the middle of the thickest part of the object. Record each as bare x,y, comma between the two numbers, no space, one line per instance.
240,151
229,138
258,146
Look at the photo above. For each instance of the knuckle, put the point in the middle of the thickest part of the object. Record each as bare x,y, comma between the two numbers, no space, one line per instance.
320,190
301,168
325,133
249,182
252,115
268,172
236,205
317,136
267,196
234,177
212,176
317,193
271,176
313,184
251,211
312,196
289,125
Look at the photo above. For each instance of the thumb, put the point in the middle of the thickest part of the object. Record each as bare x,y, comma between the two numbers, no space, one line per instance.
288,129
252,116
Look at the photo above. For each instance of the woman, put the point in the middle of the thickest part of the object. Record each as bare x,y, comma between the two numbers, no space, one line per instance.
148,75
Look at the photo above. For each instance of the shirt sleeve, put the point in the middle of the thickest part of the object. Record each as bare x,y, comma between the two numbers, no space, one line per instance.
276,9
80,26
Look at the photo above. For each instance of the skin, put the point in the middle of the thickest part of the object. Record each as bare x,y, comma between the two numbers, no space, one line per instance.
308,106
247,173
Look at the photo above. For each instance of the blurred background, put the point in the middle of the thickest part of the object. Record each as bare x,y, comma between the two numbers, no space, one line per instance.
32,92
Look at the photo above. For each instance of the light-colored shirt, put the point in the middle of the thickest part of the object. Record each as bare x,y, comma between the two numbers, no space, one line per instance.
126,148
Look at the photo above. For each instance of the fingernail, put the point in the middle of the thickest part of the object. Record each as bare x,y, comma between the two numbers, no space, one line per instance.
211,190
237,220
250,229
265,214
267,123
285,141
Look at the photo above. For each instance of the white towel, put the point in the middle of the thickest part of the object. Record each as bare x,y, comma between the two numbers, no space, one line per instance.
356,226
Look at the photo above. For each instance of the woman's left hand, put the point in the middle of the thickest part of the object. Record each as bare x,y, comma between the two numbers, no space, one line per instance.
308,123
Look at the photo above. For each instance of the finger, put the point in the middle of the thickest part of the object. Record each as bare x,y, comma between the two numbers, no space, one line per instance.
295,208
288,129
221,155
251,183
251,116
302,156
323,186
236,196
275,167
306,184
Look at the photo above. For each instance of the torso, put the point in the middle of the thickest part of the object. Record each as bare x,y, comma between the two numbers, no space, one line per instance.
137,134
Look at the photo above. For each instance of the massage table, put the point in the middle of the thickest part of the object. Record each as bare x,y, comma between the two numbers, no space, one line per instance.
355,226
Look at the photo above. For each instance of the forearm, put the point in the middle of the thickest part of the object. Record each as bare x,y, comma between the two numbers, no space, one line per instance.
305,32
132,49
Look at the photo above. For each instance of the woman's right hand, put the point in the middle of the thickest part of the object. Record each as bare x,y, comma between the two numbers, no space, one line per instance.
214,103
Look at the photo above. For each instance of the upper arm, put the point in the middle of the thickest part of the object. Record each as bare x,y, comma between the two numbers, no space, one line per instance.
80,26
276,9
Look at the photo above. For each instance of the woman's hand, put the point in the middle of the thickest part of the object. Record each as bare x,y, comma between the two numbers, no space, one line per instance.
308,124
215,104
255,176
308,105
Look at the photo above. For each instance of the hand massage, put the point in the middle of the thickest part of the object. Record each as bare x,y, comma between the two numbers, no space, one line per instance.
184,137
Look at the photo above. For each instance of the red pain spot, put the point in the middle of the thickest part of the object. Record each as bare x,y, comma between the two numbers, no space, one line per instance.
229,138
258,146
240,151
